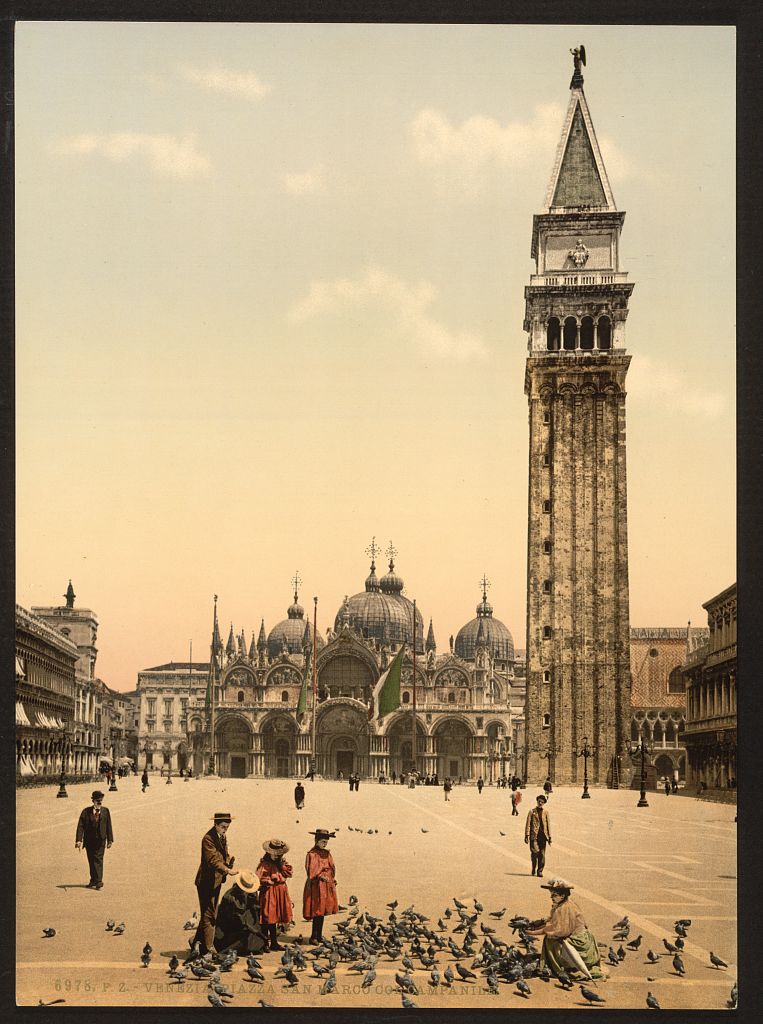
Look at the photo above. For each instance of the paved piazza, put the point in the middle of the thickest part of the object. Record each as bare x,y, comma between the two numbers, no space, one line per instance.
672,860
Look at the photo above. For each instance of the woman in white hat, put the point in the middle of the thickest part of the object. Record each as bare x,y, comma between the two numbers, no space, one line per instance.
567,943
275,904
319,897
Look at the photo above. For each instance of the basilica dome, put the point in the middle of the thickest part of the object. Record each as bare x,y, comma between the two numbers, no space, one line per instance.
291,629
492,632
380,612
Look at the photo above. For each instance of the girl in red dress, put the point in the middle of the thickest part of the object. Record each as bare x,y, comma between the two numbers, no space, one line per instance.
319,897
275,905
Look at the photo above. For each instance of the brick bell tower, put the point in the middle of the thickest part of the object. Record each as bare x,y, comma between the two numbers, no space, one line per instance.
578,630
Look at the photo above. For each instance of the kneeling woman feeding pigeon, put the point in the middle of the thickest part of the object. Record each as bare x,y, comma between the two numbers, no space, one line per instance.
568,946
275,903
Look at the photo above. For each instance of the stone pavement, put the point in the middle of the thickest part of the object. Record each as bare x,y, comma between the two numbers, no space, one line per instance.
674,859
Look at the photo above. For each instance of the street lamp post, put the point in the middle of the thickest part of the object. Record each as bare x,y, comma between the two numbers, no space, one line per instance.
547,755
585,753
643,749
62,781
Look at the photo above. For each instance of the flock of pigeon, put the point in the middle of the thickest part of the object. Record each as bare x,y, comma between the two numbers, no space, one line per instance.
464,948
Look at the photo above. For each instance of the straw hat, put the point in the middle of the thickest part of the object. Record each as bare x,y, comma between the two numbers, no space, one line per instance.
275,847
222,816
557,885
322,833
247,880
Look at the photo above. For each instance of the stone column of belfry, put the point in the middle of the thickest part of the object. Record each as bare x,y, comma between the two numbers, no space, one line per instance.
578,630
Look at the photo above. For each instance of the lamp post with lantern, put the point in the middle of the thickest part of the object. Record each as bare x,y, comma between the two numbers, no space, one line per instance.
643,749
585,753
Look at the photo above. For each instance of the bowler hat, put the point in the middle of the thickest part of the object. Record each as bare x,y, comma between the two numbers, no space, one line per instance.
276,847
247,880
540,796
322,833
96,795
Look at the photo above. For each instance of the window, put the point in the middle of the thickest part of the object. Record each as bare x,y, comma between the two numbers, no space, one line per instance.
654,653
586,333
479,722
553,334
547,586
183,706
151,706
570,334
604,332
546,720
547,632
546,416
451,698
546,459
240,696
406,697
676,681
168,707
546,676
547,505
546,547
285,697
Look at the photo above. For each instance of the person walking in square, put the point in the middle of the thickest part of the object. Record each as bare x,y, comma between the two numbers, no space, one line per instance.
216,864
480,784
516,799
548,788
666,783
275,904
319,897
538,834
299,796
447,786
144,780
94,832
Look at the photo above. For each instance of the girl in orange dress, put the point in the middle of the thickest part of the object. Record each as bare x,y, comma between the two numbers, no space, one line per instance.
275,904
319,897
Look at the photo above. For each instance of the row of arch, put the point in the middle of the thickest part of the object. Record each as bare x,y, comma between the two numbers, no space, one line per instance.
41,756
587,334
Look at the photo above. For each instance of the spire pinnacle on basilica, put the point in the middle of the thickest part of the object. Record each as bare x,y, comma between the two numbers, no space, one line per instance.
217,644
430,644
252,648
70,595
262,640
230,647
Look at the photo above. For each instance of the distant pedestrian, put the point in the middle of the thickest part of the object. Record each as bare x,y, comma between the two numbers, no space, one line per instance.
674,786
447,786
480,784
340,776
538,834
275,905
94,832
144,780
394,778
357,782
299,796
548,788
351,780
666,783
516,798
215,866
319,897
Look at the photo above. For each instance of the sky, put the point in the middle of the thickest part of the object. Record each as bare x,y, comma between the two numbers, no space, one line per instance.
269,306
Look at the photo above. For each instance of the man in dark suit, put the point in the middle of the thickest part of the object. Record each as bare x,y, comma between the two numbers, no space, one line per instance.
215,866
95,834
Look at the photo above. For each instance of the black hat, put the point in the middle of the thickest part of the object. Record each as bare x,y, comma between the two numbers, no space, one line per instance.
540,796
96,795
322,833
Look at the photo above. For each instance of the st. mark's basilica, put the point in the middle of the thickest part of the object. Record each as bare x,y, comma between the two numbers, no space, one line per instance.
240,713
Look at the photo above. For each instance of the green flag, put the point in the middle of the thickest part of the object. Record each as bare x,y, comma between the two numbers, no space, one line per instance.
302,704
386,693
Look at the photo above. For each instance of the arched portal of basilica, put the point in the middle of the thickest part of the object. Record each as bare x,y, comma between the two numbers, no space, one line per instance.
279,746
233,743
342,731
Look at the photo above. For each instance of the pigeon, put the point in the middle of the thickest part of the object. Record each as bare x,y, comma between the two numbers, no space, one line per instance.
653,958
110,925
214,999
478,906
179,976
148,949
200,972
564,980
669,946
369,979
621,924
407,1003
680,930
592,997
651,1001
523,988
392,906
221,990
254,973
486,929
252,961
119,930
408,964
544,974
290,977
174,964
459,905
434,977
49,932
612,958
492,983
353,900
264,1005
145,959
425,830
716,961
406,983
734,997
448,975
685,922
679,943
464,974
634,943
620,953
678,965
328,985
501,833
497,914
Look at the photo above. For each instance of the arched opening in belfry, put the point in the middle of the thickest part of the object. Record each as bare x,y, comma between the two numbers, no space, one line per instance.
586,333
604,332
553,334
570,334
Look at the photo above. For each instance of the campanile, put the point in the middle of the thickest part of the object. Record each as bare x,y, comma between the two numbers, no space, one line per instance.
578,630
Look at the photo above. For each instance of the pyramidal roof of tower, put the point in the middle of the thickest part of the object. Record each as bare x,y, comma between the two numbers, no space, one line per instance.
579,178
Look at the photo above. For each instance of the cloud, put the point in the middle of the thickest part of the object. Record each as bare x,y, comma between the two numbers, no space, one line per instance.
176,156
482,141
308,184
662,384
407,304
235,83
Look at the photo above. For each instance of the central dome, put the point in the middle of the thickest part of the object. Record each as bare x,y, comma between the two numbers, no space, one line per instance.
485,630
380,612
292,629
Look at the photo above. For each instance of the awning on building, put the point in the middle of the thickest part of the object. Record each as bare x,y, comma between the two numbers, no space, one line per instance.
21,715
26,767
20,673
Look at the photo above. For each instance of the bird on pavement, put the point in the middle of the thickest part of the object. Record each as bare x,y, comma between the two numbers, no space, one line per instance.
408,1004
651,1001
353,900
734,997
685,922
464,973
620,953
119,930
653,958
486,929
613,958
145,959
200,972
478,906
678,965
173,964
716,961
679,943
564,980
252,961
497,914
290,977
621,924
110,925
179,976
328,985
49,932
523,988
592,997
148,948
264,1005
214,999
669,946
221,990
448,975
459,905
634,943
434,977
254,973
369,979
408,963
680,929
392,905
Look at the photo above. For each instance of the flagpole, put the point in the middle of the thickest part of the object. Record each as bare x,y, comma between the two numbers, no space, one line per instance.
315,682
413,735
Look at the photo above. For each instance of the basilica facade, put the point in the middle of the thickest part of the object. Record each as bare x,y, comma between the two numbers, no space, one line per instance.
240,716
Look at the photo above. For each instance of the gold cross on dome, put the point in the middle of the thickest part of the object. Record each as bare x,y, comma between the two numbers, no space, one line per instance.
485,584
391,551
372,550
295,583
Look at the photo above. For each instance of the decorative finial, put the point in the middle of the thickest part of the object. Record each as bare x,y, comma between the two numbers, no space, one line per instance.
372,551
578,57
391,552
295,582
70,595
485,584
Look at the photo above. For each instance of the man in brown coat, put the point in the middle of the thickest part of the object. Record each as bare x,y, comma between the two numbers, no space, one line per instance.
215,865
537,834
